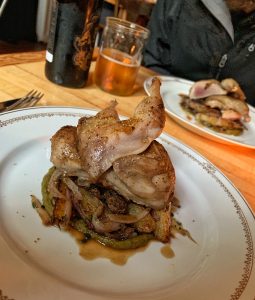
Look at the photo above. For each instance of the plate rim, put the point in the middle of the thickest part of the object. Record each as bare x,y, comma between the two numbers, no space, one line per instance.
165,136
9,121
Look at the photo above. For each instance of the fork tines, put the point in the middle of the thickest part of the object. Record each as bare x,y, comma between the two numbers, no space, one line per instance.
30,99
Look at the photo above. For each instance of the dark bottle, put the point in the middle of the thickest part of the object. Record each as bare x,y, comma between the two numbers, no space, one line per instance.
71,41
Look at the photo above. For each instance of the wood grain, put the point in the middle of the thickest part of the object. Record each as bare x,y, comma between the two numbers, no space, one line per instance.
237,163
15,58
20,46
21,57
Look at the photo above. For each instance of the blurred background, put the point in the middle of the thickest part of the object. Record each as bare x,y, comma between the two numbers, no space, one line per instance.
24,24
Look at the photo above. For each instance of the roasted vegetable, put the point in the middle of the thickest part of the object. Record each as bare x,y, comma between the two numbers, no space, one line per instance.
90,203
163,219
177,227
46,219
131,243
96,202
47,200
146,224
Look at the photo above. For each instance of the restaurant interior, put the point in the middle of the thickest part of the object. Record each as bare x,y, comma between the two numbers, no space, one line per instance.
19,33
110,185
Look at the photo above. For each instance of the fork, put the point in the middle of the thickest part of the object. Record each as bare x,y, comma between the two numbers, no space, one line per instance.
28,100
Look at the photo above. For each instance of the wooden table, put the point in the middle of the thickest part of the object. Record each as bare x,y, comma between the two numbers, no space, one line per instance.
17,78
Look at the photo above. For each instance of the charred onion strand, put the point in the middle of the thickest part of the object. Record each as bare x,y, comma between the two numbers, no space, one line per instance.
76,197
47,199
46,219
67,209
53,184
128,219
104,225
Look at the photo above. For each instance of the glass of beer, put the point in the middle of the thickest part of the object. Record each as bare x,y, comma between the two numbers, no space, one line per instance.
120,56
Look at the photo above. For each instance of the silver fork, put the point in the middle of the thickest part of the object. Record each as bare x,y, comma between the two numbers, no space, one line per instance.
28,100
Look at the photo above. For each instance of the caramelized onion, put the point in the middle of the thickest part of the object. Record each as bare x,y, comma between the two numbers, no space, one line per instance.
67,210
46,219
53,184
77,196
128,219
73,187
103,225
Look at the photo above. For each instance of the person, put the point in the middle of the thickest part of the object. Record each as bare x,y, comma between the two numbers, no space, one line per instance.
204,39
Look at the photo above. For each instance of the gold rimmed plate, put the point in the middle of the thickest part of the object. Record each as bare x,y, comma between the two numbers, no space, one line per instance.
40,263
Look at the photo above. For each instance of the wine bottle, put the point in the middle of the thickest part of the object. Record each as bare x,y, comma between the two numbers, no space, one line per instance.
72,34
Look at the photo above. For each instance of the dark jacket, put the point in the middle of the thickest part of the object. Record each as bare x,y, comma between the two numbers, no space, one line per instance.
188,41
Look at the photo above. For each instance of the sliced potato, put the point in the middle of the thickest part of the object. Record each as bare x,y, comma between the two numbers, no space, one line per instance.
146,224
163,224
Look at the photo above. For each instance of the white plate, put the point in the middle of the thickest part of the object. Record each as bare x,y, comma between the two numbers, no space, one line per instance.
41,263
170,89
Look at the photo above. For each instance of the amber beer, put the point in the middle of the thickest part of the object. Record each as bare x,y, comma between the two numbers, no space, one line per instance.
120,56
115,72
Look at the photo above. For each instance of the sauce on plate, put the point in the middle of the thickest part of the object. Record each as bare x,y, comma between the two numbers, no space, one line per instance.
91,250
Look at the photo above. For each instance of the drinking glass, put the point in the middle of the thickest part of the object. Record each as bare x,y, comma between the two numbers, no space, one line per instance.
120,56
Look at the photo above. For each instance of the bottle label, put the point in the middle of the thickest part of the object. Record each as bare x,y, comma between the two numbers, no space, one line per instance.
49,56
84,43
51,39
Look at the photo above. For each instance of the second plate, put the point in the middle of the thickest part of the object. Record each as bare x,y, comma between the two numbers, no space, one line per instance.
171,87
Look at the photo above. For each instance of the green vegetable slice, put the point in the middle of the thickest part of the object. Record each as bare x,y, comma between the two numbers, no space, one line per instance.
47,200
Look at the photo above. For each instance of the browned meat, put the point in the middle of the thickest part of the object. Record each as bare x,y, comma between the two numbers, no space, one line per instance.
115,202
196,106
233,88
205,88
103,139
147,178
211,87
113,175
218,105
231,115
229,103
64,154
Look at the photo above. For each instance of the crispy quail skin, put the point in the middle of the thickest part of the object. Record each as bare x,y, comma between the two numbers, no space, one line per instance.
114,172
